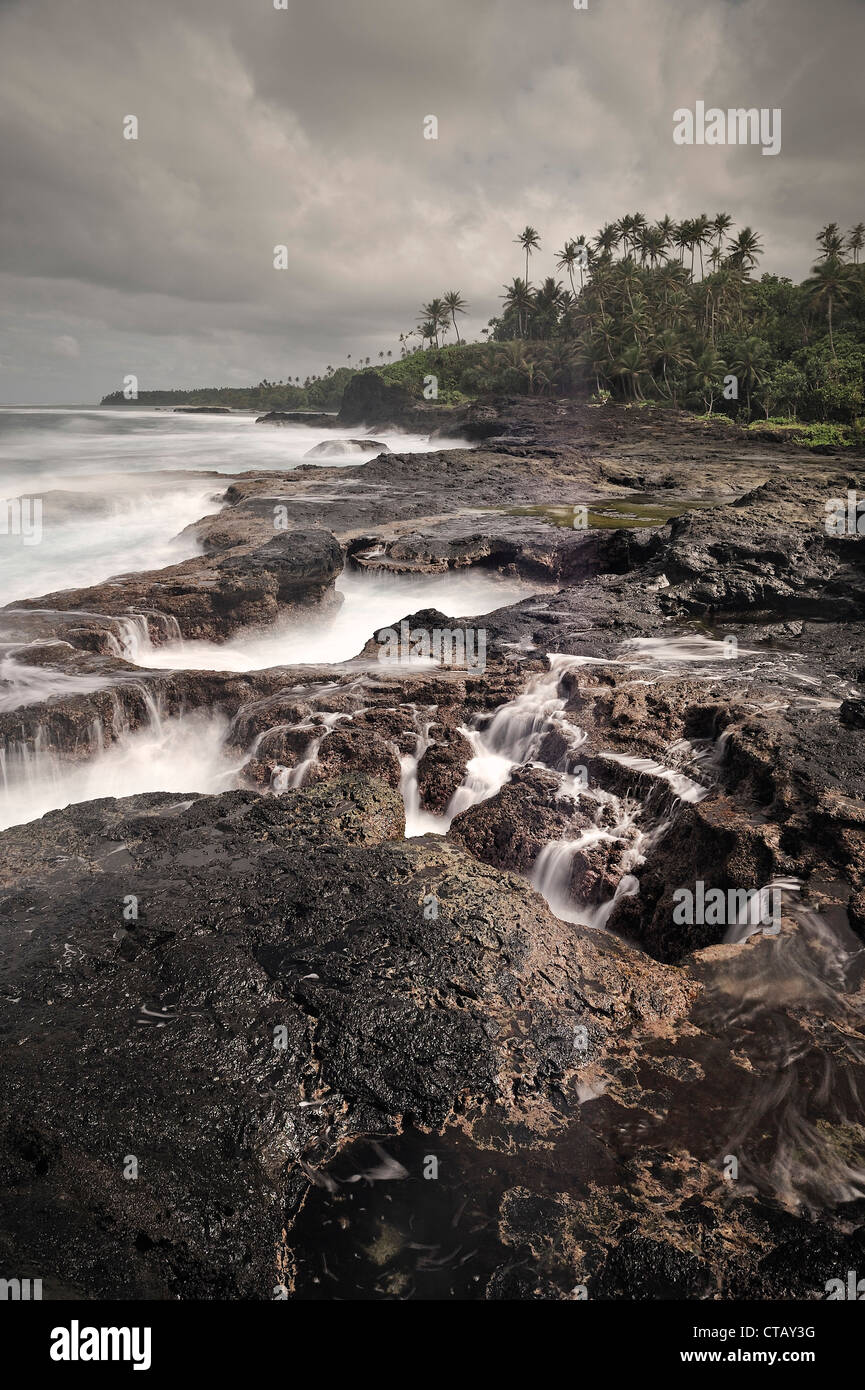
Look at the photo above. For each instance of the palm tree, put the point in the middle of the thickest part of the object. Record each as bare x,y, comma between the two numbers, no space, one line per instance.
829,285
567,259
607,239
702,235
592,355
748,361
631,366
653,243
518,297
560,363
669,351
628,278
682,239
856,240
551,301
436,314
584,255
830,240
745,249
625,229
721,224
665,227
512,363
707,375
455,304
639,225
530,241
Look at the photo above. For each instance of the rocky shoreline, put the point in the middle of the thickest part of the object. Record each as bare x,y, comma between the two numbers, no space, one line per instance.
365,943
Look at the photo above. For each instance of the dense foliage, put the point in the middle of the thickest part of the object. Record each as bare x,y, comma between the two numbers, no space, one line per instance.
651,313
671,313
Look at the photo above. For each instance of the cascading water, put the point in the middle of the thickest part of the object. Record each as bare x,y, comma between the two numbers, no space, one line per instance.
186,754
513,737
418,821
370,602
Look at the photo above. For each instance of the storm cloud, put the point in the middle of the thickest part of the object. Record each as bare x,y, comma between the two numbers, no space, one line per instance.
304,126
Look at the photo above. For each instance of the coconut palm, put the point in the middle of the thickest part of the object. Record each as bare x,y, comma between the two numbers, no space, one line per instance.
653,243
830,284
567,258
639,225
585,255
682,239
455,304
607,239
665,226
830,240
748,360
669,352
592,356
512,366
707,376
856,240
702,235
631,367
530,241
548,304
721,224
625,229
745,249
436,313
519,299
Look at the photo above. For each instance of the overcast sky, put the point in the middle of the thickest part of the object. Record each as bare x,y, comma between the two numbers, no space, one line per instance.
304,127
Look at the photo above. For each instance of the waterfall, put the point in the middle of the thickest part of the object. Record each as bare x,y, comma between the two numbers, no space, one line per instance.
512,737
417,820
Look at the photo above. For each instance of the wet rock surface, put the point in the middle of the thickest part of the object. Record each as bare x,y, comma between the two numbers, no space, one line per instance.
214,596
680,703
295,921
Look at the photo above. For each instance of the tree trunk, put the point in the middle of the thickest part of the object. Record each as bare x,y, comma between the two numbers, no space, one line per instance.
831,339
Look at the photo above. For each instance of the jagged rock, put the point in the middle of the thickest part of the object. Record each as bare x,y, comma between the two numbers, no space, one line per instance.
442,767
211,597
511,828
309,418
279,990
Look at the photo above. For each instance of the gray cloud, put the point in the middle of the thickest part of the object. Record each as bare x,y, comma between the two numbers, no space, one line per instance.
304,127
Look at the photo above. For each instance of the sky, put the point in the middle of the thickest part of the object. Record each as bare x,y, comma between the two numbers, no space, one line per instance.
304,127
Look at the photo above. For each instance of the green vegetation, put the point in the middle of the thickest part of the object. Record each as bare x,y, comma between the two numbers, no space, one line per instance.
314,393
670,314
653,314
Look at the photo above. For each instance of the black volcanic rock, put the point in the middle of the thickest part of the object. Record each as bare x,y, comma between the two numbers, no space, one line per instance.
296,417
213,596
278,988
368,399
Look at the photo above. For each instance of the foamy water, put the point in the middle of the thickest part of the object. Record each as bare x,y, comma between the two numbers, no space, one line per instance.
177,755
370,601
116,487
